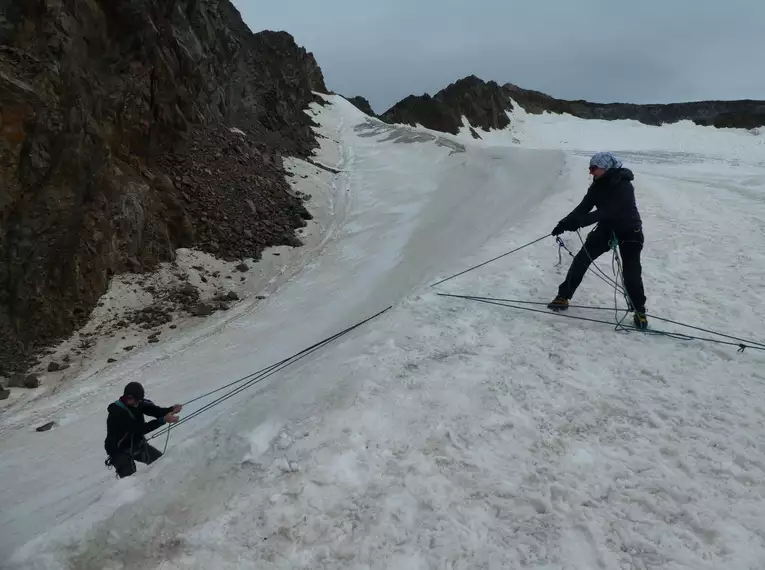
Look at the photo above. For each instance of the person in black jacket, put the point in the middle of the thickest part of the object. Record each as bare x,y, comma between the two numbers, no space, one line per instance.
616,216
125,429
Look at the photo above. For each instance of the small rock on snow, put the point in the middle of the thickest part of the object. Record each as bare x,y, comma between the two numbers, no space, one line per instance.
32,381
202,310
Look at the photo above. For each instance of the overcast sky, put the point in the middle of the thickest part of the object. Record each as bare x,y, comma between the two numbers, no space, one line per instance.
639,51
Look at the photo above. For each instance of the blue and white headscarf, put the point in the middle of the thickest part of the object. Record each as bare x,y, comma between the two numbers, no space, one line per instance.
606,161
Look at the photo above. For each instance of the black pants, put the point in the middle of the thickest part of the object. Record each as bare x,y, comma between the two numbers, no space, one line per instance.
124,463
597,243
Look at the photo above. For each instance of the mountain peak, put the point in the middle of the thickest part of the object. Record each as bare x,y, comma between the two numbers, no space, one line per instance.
483,103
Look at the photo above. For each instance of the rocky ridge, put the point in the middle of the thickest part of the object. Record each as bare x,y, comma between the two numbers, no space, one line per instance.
362,105
485,105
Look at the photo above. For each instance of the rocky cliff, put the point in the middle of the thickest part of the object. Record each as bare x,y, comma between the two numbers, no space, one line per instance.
484,104
129,128
362,105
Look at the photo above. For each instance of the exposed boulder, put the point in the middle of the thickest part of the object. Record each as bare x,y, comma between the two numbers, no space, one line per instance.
25,381
202,310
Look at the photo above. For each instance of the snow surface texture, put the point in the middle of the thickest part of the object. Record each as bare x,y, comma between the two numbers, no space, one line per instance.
445,434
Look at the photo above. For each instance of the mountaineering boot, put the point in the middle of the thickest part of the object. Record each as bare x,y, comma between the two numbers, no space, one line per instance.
558,304
640,320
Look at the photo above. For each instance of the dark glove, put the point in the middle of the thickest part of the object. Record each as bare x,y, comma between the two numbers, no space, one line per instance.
566,225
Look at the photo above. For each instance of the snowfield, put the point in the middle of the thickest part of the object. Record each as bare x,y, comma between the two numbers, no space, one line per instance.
446,433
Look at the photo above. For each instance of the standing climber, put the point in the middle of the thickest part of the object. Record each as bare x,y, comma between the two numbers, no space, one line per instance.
617,217
125,429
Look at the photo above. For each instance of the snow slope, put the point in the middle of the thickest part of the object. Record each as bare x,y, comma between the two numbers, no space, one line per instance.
445,434
641,144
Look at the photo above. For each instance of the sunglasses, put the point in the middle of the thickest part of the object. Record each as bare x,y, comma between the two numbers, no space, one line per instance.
593,168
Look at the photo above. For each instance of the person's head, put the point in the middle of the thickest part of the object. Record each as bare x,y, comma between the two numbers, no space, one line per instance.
133,394
602,162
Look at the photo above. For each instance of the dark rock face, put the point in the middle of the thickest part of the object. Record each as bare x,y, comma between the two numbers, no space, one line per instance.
116,148
362,105
485,105
745,114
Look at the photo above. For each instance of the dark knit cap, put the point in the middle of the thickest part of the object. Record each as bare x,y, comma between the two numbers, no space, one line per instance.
135,390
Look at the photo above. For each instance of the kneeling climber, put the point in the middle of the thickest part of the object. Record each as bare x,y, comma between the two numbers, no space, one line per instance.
125,429
617,218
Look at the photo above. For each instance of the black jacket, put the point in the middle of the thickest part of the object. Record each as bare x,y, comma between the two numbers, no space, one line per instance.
125,426
614,197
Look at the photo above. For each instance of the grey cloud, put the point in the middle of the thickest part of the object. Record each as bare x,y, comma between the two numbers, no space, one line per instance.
601,50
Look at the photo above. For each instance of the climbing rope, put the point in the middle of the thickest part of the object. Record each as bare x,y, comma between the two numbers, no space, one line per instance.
256,377
516,304
594,266
238,386
491,260
520,302
599,273
617,282
619,286
750,343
